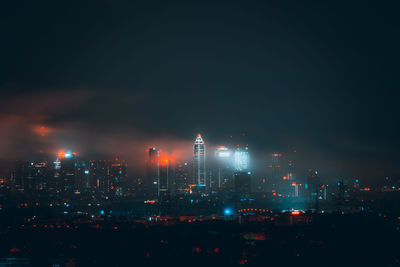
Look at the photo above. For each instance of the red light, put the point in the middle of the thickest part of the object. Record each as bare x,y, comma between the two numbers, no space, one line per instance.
295,212
14,250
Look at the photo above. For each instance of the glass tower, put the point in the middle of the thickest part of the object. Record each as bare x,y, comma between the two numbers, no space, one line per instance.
199,161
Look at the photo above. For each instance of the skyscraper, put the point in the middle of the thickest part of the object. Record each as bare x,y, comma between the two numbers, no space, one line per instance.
242,159
153,172
242,176
199,161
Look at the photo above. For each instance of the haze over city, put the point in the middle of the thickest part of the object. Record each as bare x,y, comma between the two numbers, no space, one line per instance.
228,119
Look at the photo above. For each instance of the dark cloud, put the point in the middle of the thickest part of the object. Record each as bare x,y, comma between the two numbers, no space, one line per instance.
319,77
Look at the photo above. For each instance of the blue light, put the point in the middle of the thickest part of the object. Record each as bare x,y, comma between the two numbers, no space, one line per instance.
306,186
67,205
227,212
102,212
356,180
201,185
86,171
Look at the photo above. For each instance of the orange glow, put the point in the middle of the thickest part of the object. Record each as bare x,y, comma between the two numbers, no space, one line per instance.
42,130
295,212
294,183
61,154
274,194
284,178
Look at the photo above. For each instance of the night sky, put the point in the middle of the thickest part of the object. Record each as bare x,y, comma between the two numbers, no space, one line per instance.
114,77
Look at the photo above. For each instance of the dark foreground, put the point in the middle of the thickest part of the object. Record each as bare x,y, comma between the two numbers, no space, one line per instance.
327,240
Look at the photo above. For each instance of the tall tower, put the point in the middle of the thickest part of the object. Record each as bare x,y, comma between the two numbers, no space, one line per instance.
199,161
242,175
153,172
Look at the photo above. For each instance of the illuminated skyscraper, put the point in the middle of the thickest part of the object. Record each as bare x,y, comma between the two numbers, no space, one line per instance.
165,174
153,172
242,176
242,159
199,161
224,168
182,176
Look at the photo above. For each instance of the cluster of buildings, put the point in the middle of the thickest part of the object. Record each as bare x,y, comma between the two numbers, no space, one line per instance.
70,175
224,169
228,170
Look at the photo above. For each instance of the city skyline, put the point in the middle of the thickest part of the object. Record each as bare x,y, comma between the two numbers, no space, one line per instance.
267,69
199,133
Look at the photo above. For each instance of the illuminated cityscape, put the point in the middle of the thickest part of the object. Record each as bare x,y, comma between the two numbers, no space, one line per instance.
199,133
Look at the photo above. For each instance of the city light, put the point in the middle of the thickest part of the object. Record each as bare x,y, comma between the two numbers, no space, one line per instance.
241,162
228,212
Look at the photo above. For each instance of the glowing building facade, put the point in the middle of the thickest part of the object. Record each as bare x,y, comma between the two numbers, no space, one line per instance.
242,160
199,161
242,175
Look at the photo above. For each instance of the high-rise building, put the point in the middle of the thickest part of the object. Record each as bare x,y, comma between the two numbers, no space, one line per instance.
242,159
242,175
224,168
67,171
166,177
118,174
153,172
275,172
199,161
242,182
182,177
